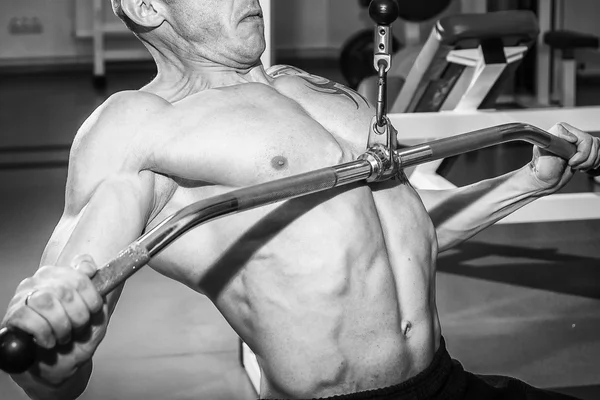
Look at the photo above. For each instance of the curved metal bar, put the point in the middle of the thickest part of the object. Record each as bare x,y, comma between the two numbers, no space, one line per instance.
17,348
142,250
476,140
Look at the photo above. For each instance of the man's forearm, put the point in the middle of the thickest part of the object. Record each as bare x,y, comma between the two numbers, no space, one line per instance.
68,390
458,214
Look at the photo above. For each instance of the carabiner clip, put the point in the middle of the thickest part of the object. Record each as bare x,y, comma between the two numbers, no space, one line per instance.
382,95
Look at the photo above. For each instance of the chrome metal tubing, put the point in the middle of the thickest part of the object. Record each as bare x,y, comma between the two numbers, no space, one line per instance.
154,241
476,140
142,250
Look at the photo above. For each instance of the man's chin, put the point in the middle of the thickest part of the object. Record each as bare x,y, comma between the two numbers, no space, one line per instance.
254,50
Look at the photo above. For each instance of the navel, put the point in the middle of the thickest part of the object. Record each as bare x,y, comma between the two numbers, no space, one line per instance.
406,327
279,163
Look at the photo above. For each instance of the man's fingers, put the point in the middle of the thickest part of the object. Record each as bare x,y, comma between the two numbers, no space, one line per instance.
51,311
586,145
584,149
74,306
564,131
592,160
49,307
85,264
89,294
29,321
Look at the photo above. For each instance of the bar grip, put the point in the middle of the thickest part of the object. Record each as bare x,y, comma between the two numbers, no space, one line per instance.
18,351
116,271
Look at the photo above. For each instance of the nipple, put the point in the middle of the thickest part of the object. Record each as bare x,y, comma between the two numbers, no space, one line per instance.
279,162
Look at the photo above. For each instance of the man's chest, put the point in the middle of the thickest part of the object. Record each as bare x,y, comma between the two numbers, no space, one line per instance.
254,133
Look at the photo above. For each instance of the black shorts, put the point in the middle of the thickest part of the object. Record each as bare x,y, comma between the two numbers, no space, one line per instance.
445,379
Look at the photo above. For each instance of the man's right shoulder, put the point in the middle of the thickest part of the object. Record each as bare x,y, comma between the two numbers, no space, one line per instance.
121,119
113,140
111,144
123,109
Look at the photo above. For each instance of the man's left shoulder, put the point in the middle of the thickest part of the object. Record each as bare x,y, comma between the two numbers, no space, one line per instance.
295,74
317,84
285,70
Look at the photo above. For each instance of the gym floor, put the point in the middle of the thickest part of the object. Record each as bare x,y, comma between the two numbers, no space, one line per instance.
520,300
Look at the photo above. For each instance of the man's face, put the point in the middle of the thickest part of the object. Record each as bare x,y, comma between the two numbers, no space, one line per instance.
230,32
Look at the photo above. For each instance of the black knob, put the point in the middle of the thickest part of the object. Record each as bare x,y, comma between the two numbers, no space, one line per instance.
384,12
18,351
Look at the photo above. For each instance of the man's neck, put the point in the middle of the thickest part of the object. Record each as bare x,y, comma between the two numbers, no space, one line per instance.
177,79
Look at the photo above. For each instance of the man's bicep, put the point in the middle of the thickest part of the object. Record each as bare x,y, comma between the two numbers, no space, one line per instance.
114,216
109,191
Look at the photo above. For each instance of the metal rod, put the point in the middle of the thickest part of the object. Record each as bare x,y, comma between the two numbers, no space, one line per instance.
150,244
142,250
17,348
476,140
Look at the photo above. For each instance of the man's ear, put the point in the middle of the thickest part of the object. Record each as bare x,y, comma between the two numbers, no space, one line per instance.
148,13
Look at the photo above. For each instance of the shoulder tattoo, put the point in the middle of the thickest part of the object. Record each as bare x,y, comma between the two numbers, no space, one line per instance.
319,84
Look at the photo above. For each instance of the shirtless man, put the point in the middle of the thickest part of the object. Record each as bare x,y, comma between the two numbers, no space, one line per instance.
334,292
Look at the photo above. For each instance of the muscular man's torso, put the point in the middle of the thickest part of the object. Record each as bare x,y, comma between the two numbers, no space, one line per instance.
334,292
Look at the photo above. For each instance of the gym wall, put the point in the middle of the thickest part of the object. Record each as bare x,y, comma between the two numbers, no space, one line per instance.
56,39
62,36
307,27
312,27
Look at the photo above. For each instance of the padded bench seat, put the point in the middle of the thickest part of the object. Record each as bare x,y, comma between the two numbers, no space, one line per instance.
512,27
442,74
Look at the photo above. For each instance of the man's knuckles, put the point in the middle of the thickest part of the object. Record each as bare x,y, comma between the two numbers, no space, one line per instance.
41,301
26,284
564,131
63,280
587,154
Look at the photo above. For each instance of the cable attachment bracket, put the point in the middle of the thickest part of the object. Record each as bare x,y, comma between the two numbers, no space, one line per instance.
381,151
382,54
